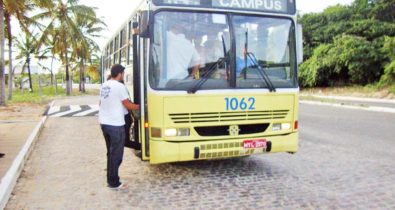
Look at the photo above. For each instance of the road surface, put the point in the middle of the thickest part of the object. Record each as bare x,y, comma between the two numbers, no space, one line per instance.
345,161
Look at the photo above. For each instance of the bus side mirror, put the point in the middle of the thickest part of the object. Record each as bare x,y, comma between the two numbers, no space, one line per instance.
299,43
144,24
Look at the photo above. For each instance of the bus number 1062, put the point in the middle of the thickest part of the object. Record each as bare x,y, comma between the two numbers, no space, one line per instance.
240,104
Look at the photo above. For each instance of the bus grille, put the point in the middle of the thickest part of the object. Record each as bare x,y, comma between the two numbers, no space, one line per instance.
224,130
227,116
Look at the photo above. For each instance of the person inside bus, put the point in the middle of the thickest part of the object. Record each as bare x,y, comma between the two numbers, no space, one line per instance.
243,61
113,100
182,58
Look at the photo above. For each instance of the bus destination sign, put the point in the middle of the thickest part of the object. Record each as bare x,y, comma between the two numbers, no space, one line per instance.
264,5
280,6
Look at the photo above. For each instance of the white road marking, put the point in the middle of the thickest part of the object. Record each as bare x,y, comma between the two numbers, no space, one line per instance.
73,108
53,109
94,108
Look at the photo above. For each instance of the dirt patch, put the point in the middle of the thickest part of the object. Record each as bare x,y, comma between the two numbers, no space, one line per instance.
22,111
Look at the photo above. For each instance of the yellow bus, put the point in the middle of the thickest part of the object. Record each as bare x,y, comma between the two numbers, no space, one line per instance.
214,78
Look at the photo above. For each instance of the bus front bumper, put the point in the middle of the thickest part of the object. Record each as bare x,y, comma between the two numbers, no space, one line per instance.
164,151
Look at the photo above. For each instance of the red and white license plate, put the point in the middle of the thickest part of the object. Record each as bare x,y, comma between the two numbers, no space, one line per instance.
252,144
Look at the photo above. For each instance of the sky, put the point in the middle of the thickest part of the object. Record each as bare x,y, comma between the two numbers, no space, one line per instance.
115,12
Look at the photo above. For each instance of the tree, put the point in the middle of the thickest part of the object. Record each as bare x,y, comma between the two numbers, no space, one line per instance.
86,48
344,44
2,76
93,71
17,8
388,49
348,60
26,47
63,26
49,52
383,10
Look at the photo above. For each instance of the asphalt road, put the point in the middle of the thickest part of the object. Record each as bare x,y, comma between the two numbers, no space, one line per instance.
345,161
360,132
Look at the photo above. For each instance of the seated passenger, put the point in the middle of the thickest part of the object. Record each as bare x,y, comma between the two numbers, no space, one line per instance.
181,54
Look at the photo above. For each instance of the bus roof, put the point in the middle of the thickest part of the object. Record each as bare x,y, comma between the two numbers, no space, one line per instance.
271,6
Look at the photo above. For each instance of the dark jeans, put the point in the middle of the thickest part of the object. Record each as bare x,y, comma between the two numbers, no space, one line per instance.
115,140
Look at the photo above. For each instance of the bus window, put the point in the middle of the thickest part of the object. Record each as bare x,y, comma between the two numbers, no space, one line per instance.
187,45
268,45
124,56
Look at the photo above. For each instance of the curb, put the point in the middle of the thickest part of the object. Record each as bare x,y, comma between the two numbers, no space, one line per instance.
371,108
351,98
9,180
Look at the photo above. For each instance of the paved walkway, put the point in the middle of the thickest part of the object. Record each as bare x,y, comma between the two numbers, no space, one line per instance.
16,124
67,167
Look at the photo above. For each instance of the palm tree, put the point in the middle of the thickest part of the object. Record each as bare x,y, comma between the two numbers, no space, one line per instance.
63,28
49,52
26,47
2,77
17,8
87,47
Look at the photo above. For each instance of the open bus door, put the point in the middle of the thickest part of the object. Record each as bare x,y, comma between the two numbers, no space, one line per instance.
143,47
135,142
139,132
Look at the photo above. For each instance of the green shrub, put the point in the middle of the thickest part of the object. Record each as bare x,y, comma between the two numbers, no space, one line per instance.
388,50
349,60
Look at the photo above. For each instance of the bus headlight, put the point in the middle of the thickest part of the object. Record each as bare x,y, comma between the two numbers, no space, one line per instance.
172,132
281,126
285,126
183,132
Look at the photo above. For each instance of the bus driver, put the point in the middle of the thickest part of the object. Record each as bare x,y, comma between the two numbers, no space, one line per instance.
181,54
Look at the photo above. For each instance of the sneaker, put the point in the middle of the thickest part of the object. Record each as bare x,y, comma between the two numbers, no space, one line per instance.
121,187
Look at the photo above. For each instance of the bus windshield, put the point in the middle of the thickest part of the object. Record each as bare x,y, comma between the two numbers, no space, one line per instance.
189,47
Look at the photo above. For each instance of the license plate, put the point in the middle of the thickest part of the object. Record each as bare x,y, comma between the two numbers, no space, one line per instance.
252,144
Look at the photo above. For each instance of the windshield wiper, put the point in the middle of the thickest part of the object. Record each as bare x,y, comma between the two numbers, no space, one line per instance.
261,72
207,75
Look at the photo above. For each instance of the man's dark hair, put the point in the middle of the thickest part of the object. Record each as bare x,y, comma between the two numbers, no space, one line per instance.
116,69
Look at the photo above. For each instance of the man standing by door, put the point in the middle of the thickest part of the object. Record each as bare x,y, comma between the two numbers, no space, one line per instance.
113,100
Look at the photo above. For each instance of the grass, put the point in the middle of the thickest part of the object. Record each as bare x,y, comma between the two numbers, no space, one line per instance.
42,95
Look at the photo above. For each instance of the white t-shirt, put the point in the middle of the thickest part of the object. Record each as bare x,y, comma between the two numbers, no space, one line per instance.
181,55
126,111
111,110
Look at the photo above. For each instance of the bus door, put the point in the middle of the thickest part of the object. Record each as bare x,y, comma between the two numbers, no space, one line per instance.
135,142
139,141
143,66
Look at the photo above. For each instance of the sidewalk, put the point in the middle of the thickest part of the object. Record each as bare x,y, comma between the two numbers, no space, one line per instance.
373,104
